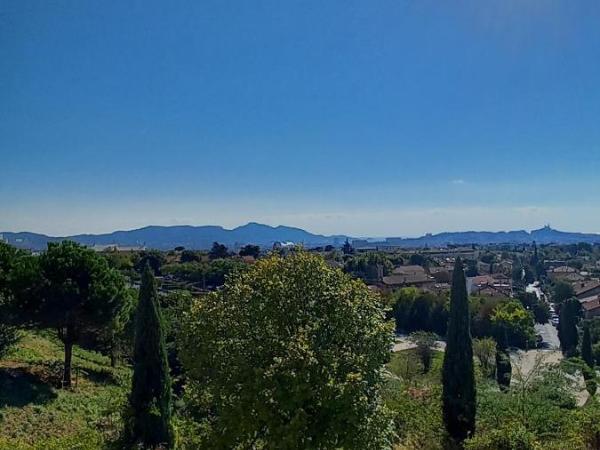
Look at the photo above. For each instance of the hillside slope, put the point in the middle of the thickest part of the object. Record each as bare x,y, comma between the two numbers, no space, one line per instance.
36,415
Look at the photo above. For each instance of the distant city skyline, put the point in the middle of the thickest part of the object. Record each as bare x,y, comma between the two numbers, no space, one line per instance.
383,118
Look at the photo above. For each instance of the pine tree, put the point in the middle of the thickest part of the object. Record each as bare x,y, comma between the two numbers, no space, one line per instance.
586,346
458,375
150,400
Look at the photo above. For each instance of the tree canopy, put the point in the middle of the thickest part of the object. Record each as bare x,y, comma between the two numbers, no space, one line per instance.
290,354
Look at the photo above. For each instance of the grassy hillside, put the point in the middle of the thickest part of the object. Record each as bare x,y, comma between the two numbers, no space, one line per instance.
36,414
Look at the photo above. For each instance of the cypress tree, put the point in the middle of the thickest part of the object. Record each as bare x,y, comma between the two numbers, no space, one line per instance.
567,327
503,369
458,376
149,421
586,346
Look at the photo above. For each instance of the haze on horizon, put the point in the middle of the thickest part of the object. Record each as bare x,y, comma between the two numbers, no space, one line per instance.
380,118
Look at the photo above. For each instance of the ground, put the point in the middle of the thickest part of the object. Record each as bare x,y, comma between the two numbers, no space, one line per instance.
36,414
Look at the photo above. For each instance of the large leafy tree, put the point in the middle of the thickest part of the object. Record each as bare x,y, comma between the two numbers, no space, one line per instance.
69,288
512,324
458,376
288,355
149,421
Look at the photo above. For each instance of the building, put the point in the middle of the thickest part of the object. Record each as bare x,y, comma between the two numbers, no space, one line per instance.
591,308
586,289
560,273
489,286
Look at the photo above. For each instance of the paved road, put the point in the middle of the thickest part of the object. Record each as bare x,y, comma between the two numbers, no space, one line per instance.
549,334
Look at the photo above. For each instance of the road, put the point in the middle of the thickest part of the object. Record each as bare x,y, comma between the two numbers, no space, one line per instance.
549,334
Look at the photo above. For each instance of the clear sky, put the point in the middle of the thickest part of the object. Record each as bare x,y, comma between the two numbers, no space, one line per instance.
362,117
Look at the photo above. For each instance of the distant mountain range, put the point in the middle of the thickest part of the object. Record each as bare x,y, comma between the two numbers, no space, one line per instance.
544,235
202,237
191,237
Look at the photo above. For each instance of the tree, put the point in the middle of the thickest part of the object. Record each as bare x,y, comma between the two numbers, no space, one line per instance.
288,355
347,248
503,368
539,308
586,346
189,256
154,258
250,250
562,291
541,312
567,326
458,377
485,351
512,324
472,270
218,251
149,414
8,261
425,343
417,259
75,292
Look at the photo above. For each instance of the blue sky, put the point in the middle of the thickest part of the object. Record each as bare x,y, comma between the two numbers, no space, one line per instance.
367,118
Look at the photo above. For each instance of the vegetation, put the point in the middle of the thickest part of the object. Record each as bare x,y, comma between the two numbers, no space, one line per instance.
73,291
289,351
287,355
458,375
149,412
35,414
567,331
425,343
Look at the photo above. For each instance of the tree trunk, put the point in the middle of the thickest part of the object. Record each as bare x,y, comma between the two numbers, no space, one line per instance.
68,358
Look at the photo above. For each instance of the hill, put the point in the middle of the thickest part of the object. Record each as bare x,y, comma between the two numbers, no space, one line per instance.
202,237
192,237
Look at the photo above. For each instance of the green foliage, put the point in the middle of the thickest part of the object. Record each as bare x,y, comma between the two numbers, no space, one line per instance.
218,251
586,346
512,325
9,336
458,375
506,437
368,266
484,350
415,310
417,259
562,291
250,250
347,248
211,273
539,308
150,409
570,312
154,258
37,416
69,288
425,343
189,256
503,369
288,355
538,407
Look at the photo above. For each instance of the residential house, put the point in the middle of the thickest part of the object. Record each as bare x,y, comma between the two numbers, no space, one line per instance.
586,289
591,308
